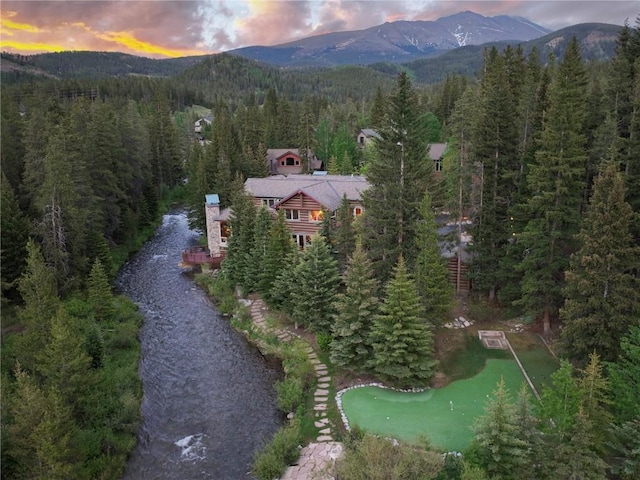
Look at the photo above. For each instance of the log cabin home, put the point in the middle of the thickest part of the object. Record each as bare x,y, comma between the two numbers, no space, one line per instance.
305,199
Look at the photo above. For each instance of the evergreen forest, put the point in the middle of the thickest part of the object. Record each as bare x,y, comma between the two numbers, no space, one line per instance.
542,161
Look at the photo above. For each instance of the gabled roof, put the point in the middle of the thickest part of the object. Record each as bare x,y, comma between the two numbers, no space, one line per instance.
274,154
370,133
327,190
436,150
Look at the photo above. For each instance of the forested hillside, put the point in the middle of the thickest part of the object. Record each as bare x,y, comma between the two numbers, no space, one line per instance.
543,158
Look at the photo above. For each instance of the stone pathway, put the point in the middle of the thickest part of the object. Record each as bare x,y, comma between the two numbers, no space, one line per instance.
317,457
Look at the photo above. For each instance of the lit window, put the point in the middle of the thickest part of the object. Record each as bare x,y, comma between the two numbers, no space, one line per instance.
316,215
292,214
357,211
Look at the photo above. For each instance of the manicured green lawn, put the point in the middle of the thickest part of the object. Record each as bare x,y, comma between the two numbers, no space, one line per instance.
536,359
429,414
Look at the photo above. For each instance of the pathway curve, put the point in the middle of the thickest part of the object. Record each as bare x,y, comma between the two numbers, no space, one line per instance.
315,458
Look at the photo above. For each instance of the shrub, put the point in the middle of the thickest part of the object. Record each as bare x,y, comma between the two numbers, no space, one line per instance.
278,454
324,341
290,394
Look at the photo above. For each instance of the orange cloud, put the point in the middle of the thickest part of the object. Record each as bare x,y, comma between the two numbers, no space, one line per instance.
126,39
25,27
31,47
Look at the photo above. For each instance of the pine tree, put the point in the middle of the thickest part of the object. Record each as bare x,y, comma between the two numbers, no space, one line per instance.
258,251
37,286
318,281
14,230
236,262
430,272
100,296
62,212
494,147
355,308
402,340
378,109
279,247
556,185
624,377
526,423
306,133
624,98
399,175
497,437
602,294
42,431
575,458
626,438
560,402
344,231
594,401
64,362
281,292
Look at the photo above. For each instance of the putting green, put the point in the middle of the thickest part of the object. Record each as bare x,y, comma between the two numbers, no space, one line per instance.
429,414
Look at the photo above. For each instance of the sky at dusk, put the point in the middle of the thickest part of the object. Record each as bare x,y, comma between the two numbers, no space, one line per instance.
178,28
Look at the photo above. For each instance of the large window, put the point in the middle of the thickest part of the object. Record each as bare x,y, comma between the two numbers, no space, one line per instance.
437,165
291,214
268,202
316,215
301,240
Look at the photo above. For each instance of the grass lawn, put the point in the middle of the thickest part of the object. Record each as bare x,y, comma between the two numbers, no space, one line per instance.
535,358
413,416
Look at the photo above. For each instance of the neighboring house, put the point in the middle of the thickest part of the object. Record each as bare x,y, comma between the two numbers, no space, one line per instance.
436,153
305,199
288,161
367,136
436,150
202,122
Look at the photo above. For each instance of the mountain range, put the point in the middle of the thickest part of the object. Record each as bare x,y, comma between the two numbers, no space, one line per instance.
429,50
397,42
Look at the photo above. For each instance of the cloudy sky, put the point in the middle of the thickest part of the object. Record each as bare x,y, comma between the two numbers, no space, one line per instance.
175,28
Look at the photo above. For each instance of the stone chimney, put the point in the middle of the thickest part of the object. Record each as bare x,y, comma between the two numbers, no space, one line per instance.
212,215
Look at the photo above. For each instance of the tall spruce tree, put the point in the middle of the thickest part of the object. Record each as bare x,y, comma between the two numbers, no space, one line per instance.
402,340
258,251
236,262
99,291
430,272
602,293
344,235
279,247
37,286
399,174
502,450
624,98
494,147
556,186
318,281
355,310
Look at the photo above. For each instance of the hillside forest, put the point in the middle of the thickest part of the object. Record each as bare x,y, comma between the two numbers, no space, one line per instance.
542,159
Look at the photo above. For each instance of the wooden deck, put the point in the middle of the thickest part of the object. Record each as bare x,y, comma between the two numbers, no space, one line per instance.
196,256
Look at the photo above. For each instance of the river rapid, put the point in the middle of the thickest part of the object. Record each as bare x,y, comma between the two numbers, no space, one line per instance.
209,401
